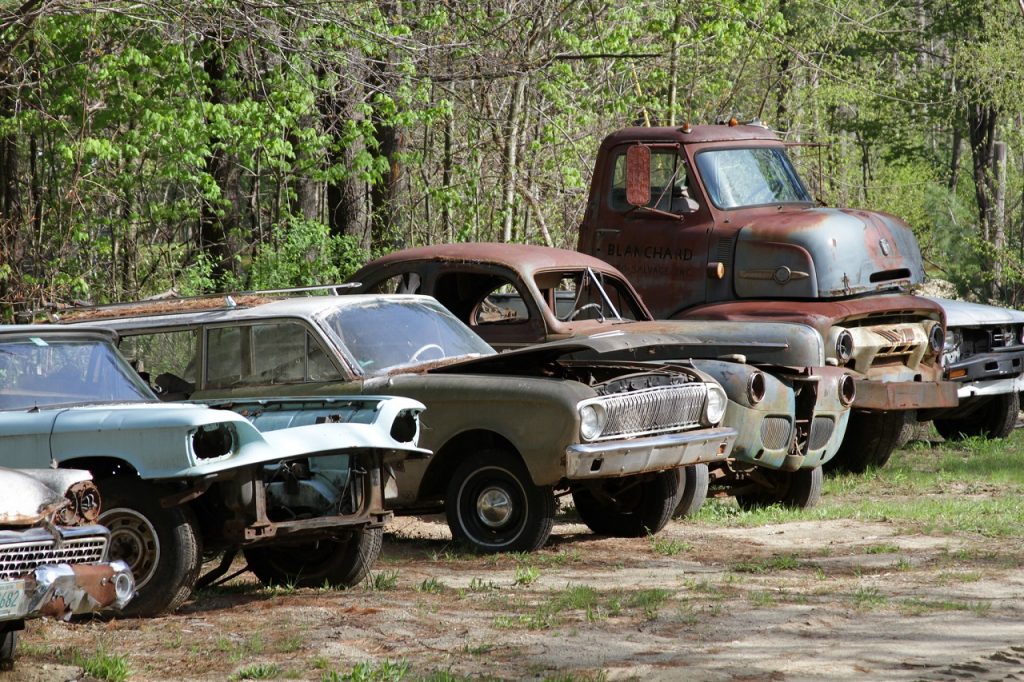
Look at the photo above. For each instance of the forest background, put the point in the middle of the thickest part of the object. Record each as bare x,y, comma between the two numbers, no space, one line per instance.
152,145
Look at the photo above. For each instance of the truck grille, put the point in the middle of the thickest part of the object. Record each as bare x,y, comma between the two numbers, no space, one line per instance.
18,559
821,431
775,432
653,410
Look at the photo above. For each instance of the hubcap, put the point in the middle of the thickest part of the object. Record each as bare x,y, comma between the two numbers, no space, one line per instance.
133,540
494,507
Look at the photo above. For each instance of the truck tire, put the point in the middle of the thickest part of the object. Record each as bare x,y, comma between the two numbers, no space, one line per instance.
995,419
869,441
695,480
493,505
335,562
8,645
160,545
628,507
800,489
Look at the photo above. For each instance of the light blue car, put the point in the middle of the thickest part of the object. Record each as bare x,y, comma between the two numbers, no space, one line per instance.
306,504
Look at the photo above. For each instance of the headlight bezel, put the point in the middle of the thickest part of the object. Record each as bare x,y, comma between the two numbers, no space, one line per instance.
715,404
593,419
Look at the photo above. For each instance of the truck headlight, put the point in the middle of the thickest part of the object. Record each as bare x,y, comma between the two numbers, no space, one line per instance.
213,440
592,420
951,341
714,408
756,388
844,346
936,338
847,390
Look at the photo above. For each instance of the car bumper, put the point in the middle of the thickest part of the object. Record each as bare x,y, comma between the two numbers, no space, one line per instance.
985,368
977,389
904,395
656,453
66,590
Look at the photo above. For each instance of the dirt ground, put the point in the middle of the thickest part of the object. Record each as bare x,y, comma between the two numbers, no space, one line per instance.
800,600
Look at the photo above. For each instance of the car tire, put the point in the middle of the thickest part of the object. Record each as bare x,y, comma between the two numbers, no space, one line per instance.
695,480
493,505
869,442
628,507
334,562
159,544
995,419
8,646
800,489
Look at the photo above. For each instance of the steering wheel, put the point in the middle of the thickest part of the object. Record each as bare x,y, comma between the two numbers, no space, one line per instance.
424,348
574,314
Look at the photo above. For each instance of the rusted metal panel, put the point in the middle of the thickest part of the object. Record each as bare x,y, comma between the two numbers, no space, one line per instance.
905,395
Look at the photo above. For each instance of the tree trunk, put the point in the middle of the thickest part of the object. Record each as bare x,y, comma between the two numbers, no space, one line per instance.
510,155
981,128
999,218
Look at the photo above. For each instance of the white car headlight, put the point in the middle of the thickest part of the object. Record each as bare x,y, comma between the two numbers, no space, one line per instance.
714,409
592,420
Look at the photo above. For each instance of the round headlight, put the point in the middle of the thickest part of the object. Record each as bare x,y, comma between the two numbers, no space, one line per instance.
756,388
592,420
847,390
844,346
714,409
952,340
936,338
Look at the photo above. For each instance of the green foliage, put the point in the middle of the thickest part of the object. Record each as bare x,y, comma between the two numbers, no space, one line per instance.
103,666
304,253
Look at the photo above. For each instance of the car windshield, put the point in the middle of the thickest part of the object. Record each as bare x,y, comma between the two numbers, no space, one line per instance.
381,334
39,371
736,178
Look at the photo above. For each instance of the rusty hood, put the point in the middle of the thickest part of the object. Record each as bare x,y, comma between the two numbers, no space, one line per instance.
796,252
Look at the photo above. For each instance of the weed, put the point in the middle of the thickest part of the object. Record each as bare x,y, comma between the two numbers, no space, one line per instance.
258,671
526,575
868,597
760,598
387,671
382,581
668,546
480,585
103,666
650,601
432,586
290,644
881,549
780,562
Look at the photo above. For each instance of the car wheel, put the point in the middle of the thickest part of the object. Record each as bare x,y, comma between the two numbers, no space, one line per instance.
800,489
695,480
339,563
160,545
8,645
492,504
628,507
869,441
995,419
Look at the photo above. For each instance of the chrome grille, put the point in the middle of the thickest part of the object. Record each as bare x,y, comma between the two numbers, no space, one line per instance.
653,410
821,431
18,559
775,432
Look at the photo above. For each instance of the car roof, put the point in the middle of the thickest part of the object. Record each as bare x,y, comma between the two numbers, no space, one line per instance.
217,311
525,258
49,330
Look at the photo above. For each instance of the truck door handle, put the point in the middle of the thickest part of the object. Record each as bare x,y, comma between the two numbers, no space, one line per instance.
609,229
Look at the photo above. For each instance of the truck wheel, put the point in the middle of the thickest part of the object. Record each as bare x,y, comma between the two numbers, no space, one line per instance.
869,441
995,419
339,563
8,645
628,507
800,489
160,545
695,479
493,505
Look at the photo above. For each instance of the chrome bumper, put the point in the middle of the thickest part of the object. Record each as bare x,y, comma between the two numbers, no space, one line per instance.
65,590
656,453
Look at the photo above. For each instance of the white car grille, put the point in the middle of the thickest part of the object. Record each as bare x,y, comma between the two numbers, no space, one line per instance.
648,411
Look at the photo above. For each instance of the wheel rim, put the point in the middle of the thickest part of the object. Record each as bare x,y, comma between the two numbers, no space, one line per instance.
133,539
492,507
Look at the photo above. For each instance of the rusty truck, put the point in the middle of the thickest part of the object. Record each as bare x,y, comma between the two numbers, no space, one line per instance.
713,222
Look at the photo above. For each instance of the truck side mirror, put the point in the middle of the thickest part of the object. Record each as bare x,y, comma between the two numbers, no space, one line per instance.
638,175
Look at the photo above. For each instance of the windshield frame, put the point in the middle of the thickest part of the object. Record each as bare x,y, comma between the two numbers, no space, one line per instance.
714,194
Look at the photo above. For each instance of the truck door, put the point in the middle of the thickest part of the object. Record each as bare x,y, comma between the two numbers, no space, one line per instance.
662,246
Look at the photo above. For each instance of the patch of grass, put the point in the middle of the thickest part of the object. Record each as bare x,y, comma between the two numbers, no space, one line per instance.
881,549
903,564
668,546
258,671
382,581
868,598
599,676
760,598
479,649
914,607
649,601
289,644
481,585
779,562
386,671
103,666
432,586
526,575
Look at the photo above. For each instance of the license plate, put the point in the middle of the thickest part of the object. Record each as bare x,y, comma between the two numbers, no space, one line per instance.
12,599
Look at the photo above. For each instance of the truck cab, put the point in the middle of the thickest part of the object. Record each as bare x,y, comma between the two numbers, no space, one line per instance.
714,222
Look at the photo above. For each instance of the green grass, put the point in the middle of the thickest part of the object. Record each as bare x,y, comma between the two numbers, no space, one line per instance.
526,575
779,562
258,671
381,581
914,607
386,671
103,666
668,546
432,586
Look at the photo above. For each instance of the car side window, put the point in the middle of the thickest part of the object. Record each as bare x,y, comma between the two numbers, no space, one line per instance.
481,298
166,360
670,185
402,283
260,354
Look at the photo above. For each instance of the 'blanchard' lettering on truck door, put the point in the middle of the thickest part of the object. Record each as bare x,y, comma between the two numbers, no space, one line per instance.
656,252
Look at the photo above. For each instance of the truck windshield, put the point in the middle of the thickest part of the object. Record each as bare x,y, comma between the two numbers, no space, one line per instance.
735,178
